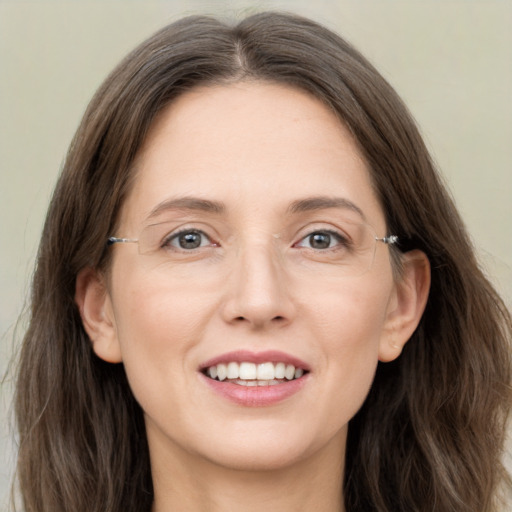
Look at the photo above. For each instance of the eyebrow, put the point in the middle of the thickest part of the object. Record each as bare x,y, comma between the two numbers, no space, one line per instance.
301,205
187,203
323,202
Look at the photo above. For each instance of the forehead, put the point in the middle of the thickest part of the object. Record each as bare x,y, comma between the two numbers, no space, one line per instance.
248,145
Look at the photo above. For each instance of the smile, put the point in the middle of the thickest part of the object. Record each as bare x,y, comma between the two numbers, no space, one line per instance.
252,374
255,379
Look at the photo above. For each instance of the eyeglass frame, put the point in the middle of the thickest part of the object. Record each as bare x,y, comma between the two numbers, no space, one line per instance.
389,240
111,240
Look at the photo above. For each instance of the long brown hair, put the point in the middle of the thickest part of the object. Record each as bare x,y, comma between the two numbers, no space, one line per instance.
430,435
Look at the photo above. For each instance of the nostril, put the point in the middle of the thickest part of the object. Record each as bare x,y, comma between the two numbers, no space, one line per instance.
277,318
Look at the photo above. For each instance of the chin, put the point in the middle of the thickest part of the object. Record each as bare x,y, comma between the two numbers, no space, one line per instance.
275,450
254,460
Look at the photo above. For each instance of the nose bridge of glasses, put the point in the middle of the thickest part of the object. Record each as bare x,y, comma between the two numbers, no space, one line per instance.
260,258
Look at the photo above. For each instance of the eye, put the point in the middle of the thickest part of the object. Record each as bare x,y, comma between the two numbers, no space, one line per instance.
320,240
188,240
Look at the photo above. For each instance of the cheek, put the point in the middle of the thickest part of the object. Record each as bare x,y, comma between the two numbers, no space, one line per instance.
152,309
350,323
158,325
352,313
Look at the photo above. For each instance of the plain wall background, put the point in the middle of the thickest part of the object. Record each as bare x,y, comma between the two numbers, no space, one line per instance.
451,61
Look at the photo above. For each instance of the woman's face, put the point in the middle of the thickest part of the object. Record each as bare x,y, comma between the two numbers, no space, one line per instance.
256,185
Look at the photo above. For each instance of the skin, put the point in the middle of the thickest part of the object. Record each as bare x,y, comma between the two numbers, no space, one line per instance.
256,148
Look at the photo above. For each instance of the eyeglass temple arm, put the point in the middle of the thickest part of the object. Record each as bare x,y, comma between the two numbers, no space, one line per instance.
390,240
114,240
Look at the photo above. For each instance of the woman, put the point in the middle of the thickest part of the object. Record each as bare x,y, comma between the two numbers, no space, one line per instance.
252,292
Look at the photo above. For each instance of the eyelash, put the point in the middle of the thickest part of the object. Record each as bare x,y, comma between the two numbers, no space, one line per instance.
340,239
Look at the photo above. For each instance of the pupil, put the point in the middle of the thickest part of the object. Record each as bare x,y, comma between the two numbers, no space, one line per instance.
190,240
320,241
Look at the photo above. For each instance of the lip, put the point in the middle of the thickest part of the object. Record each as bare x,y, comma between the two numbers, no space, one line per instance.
267,356
256,396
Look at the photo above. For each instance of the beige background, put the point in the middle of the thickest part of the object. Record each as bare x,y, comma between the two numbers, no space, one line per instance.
450,60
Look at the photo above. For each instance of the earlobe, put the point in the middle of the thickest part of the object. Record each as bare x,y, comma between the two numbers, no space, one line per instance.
94,304
408,305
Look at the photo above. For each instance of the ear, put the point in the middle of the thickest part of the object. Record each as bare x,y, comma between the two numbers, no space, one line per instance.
94,304
406,306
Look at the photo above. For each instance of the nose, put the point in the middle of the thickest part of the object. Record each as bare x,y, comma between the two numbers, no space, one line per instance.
257,290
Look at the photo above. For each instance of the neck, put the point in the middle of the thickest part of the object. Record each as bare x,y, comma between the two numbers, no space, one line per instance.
188,483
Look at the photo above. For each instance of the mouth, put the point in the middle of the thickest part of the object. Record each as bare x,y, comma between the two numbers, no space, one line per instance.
255,379
252,374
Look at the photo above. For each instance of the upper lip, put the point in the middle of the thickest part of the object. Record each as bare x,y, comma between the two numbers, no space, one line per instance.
246,356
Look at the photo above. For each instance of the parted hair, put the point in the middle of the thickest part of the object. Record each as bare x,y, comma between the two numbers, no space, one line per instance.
430,435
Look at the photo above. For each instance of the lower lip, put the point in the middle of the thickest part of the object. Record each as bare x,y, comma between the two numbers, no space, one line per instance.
256,396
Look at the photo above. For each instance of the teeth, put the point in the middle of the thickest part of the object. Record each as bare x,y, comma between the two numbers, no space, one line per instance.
250,383
289,371
266,371
247,371
233,372
222,371
279,370
250,374
212,372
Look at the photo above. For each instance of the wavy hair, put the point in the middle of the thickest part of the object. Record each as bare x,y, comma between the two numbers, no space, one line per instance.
431,432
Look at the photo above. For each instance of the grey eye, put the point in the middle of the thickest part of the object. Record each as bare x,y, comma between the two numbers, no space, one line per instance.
188,240
321,240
